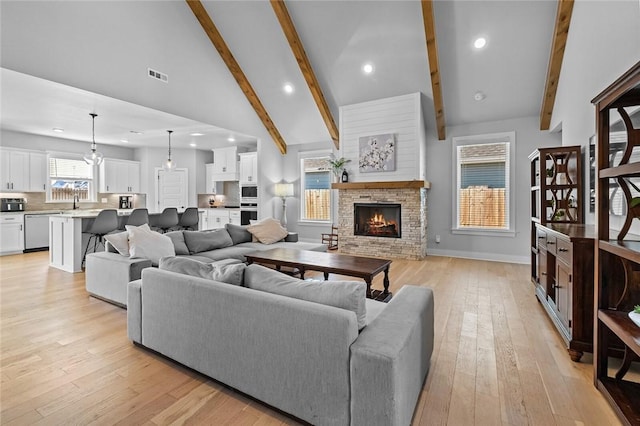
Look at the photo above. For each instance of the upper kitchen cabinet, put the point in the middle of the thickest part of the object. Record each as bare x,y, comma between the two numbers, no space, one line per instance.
119,176
225,164
38,172
249,168
15,170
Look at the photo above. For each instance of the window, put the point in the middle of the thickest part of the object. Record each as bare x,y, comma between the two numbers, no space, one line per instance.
483,177
315,180
69,177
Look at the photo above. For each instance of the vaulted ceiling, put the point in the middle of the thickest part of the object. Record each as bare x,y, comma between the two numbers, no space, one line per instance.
104,48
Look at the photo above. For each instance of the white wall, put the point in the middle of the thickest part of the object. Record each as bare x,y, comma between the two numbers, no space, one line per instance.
401,115
603,43
270,172
440,164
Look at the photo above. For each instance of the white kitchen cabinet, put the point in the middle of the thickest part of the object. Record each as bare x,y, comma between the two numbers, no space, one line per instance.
66,243
225,164
119,176
38,172
217,218
213,186
249,168
234,217
15,170
11,233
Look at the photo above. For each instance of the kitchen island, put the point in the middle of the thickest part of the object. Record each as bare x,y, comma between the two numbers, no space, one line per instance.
67,237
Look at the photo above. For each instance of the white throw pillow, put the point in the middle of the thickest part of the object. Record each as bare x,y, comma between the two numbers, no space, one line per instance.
120,242
147,244
268,231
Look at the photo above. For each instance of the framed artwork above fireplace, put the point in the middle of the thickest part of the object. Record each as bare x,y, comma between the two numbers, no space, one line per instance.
377,153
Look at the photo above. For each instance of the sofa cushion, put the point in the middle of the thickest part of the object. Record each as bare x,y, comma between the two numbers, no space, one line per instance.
178,242
230,271
149,244
268,231
199,241
239,234
348,295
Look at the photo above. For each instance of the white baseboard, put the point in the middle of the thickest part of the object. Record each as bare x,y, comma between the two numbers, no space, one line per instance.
480,256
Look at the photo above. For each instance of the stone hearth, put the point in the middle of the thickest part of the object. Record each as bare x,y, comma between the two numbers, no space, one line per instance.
413,199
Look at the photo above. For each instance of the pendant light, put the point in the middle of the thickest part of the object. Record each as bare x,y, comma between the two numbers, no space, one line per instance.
93,157
169,165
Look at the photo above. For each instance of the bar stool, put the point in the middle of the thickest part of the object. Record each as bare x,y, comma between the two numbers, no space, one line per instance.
189,219
167,219
138,217
104,223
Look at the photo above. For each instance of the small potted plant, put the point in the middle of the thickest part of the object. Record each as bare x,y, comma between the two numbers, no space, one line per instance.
337,165
635,315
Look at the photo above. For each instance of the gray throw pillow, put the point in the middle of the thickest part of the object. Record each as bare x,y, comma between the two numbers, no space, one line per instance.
238,233
230,271
178,242
348,295
199,241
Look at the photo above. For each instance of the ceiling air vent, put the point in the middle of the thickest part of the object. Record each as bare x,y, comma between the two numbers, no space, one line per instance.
157,75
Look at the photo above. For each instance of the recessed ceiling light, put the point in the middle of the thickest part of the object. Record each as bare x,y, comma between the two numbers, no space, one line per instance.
288,88
479,96
58,130
124,141
367,68
196,134
193,145
480,42
231,139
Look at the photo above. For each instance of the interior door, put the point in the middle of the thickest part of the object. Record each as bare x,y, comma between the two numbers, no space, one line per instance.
172,188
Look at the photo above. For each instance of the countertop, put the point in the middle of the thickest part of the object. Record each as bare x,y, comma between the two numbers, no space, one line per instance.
80,213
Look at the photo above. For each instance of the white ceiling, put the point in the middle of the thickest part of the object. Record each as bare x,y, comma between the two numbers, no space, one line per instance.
338,36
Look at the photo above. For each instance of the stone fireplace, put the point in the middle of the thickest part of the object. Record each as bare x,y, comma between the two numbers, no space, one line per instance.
380,202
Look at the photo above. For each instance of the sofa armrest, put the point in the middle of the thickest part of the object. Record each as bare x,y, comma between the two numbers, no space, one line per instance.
107,275
391,358
134,311
292,237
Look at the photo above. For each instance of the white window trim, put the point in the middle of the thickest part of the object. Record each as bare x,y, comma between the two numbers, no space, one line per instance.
301,156
93,198
457,141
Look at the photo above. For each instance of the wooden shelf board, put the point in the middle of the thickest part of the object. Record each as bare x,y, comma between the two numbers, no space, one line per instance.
627,249
383,185
620,323
626,170
623,396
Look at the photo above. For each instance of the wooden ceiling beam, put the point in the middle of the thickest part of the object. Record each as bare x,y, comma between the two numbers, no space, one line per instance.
297,48
432,54
218,42
560,33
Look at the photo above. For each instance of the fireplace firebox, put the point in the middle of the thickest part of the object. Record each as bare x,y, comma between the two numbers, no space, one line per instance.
377,220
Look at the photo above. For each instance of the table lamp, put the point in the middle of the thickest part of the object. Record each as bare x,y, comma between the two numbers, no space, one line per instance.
284,190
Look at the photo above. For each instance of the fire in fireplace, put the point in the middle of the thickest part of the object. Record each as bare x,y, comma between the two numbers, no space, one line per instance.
377,220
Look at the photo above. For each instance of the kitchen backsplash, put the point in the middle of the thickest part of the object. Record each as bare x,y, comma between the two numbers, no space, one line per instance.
229,197
36,201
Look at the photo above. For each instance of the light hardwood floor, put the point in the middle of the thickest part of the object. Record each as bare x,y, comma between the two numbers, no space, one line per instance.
66,359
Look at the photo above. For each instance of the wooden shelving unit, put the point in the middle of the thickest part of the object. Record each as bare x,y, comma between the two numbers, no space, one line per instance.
617,286
562,247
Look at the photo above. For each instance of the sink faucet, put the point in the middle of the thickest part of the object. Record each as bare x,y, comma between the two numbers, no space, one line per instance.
76,199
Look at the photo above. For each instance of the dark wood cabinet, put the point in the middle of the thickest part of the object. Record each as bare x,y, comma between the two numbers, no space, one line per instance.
617,256
562,246
564,286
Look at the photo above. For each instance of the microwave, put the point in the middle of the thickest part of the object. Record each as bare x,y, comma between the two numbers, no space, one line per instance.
249,193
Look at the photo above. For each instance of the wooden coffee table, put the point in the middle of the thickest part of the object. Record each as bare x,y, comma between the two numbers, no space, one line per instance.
334,263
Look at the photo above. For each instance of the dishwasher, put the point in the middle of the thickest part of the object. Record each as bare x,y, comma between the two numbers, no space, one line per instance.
36,232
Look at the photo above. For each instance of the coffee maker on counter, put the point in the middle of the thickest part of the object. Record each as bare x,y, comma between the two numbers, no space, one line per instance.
126,202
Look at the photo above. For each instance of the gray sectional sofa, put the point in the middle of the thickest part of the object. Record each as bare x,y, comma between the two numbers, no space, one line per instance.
107,273
305,358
